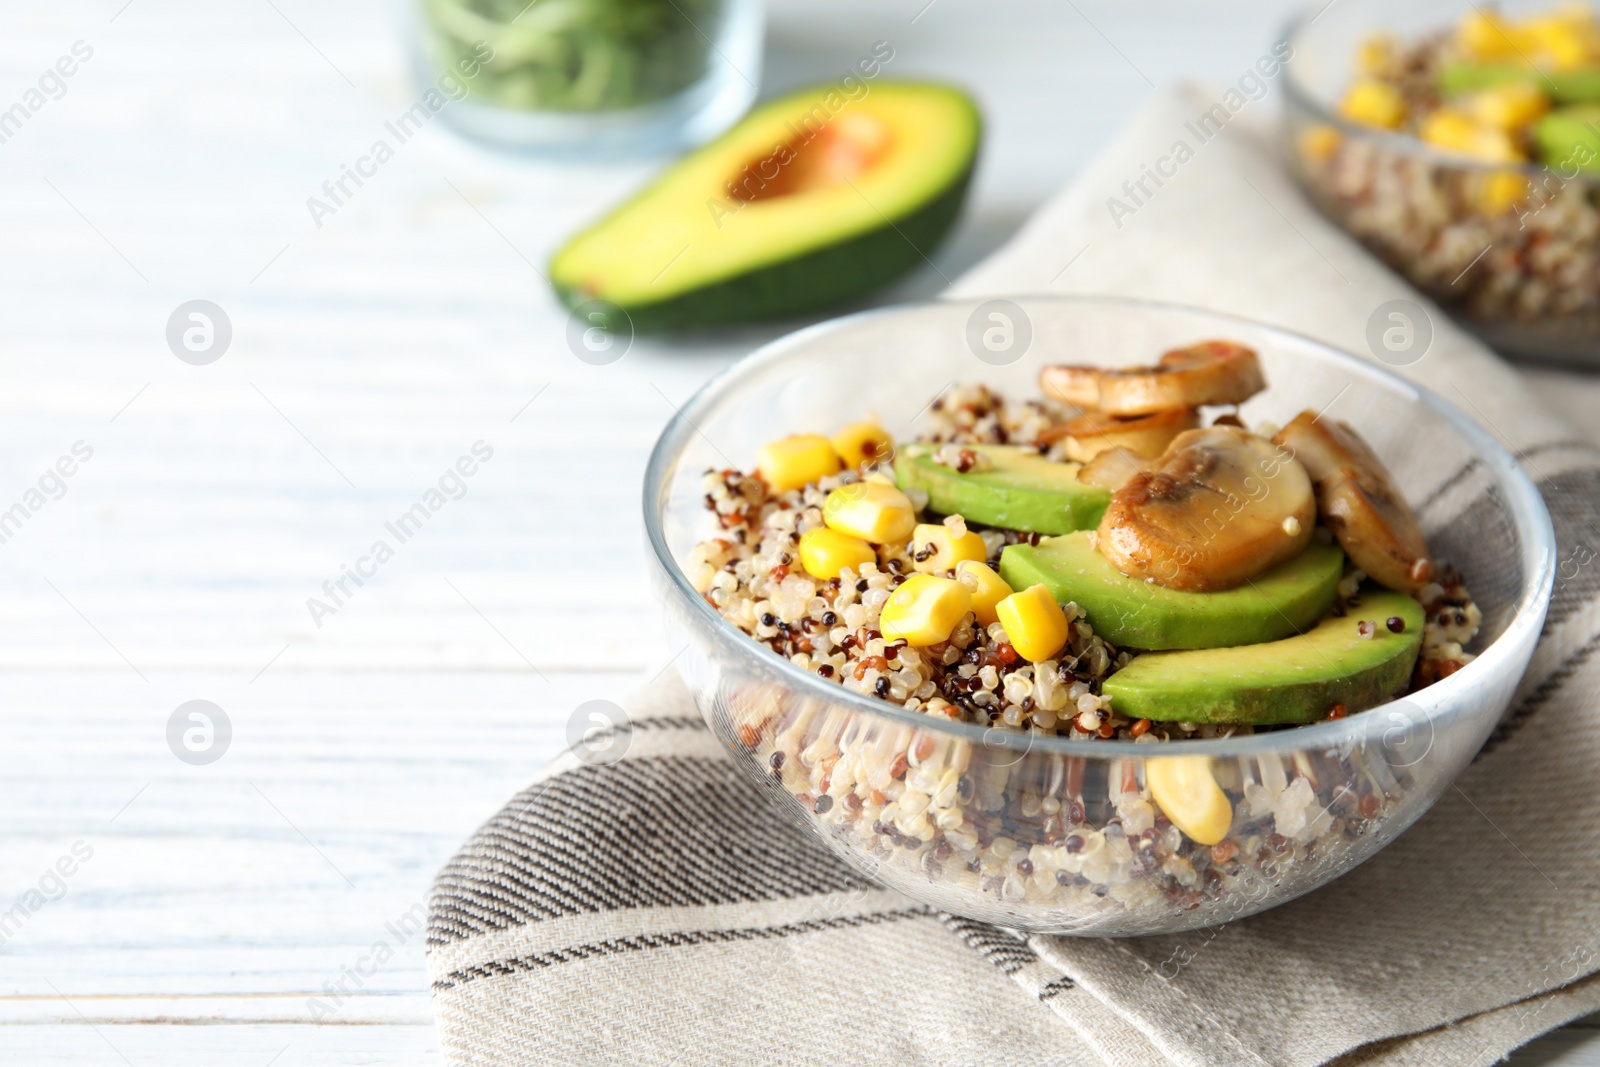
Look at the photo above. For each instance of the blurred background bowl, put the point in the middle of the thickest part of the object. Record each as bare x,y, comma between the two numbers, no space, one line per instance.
1512,250
1041,833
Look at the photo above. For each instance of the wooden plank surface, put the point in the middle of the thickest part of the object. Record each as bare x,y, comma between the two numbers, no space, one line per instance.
368,354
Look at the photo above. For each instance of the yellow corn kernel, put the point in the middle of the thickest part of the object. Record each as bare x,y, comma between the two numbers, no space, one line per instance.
1561,41
1183,787
1376,54
987,589
924,610
1374,103
862,442
935,550
824,552
1500,192
1035,624
1455,131
1509,106
1319,142
796,461
1485,35
871,510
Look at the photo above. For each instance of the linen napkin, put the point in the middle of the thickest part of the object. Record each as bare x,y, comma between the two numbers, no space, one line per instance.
653,910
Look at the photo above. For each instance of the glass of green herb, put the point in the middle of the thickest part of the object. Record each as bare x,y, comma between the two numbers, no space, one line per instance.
590,77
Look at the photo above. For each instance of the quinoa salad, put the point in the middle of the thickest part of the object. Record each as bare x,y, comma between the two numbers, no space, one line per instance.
1511,234
1079,565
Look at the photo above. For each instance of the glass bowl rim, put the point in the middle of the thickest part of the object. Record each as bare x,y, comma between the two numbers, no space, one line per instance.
1403,143
1524,503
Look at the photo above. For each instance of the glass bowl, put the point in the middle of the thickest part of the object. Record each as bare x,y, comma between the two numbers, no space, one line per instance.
1047,834
1518,263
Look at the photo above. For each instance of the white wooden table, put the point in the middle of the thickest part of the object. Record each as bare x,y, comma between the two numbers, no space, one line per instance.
367,355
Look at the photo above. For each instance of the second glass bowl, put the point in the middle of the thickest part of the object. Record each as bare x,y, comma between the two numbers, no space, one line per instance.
1513,250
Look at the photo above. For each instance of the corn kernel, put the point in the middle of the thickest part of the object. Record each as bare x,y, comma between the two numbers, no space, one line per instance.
934,550
987,589
1508,106
1035,624
824,552
1319,142
1183,788
1485,35
924,610
1501,191
862,442
871,510
796,461
1455,131
1559,42
1374,103
1377,54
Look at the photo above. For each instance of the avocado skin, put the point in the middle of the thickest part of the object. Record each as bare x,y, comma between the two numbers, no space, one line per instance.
1295,680
1564,86
825,278
1559,134
1134,614
1005,503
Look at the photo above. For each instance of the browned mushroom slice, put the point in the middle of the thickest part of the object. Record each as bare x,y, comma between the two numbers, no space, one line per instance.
1211,372
1360,502
1112,469
1147,436
1221,506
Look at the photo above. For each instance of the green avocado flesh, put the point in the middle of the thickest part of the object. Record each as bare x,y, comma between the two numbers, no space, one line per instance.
1564,86
812,200
1570,136
1017,489
1136,614
1297,679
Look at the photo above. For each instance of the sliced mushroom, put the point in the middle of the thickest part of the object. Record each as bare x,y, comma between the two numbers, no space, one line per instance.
1220,506
1211,372
1360,502
1113,469
1148,435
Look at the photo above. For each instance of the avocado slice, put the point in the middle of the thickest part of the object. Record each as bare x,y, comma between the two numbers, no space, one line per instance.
1578,86
1570,136
1297,679
1136,614
1016,489
812,200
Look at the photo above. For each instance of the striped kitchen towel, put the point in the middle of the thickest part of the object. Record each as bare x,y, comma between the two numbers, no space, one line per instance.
651,907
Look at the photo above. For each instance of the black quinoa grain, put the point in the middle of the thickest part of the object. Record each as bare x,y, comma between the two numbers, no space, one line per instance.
769,619
1073,843
861,586
829,618
776,759
1025,867
1395,624
882,688
823,805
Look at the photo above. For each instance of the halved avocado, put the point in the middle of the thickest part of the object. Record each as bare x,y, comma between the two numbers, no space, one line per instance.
1138,614
1017,489
1580,85
1297,679
812,200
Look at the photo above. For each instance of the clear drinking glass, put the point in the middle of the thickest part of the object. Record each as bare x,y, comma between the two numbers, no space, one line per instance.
591,78
1041,833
